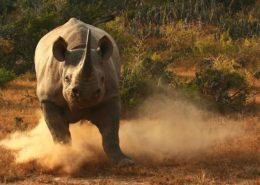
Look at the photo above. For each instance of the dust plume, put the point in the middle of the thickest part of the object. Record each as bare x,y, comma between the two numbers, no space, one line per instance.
170,129
38,145
164,129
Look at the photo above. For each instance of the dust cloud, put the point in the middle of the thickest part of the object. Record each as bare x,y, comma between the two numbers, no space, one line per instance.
175,129
164,129
38,145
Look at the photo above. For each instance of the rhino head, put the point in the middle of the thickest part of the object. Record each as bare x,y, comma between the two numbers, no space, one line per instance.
83,76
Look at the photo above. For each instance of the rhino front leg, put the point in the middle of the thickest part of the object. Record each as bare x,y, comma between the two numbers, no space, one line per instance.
106,118
56,122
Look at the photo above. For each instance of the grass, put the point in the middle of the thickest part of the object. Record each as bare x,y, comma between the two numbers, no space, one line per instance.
153,40
5,76
233,162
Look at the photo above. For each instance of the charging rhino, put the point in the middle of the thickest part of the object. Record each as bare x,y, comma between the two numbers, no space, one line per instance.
78,69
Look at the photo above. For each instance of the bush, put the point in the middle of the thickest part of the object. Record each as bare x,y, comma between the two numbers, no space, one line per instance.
223,81
118,32
206,46
5,76
141,79
249,54
156,70
180,37
133,87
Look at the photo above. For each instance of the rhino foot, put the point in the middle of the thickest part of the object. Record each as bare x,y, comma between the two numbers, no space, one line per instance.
125,162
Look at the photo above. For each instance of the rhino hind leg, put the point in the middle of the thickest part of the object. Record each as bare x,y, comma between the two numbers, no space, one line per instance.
106,118
57,124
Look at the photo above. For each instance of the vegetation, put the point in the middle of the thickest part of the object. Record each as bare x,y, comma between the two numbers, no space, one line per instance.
225,82
5,76
206,51
228,160
154,38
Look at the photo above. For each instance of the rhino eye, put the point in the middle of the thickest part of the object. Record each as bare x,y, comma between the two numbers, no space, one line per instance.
67,79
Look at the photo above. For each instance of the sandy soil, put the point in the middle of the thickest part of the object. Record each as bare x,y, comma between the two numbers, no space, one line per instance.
235,160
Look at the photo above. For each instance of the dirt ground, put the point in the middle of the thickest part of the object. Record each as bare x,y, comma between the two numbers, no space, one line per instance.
236,161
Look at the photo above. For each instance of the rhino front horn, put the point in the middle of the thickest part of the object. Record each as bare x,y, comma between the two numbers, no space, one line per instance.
85,63
86,58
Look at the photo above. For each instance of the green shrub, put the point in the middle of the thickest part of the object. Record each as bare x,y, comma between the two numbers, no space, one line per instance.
180,37
206,46
224,82
156,70
118,32
141,79
249,54
5,76
227,44
134,87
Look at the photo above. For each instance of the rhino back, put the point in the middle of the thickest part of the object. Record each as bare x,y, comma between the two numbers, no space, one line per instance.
49,70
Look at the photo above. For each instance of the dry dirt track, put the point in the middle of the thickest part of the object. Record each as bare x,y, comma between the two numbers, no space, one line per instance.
234,162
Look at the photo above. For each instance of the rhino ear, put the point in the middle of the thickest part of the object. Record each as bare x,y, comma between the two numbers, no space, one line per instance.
59,49
106,47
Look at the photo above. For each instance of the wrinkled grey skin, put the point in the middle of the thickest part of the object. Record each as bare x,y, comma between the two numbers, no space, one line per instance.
77,68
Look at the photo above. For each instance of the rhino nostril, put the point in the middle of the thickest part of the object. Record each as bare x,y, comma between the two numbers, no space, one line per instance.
75,91
102,79
97,93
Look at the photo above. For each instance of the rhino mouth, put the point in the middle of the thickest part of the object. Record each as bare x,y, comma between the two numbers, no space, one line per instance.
82,103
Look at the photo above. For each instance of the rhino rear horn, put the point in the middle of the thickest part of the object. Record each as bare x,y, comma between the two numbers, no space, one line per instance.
59,49
106,47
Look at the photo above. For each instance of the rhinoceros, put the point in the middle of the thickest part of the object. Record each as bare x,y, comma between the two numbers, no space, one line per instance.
78,68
